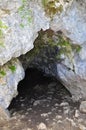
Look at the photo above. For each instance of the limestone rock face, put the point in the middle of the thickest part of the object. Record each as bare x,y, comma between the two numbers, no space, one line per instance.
10,75
72,23
20,22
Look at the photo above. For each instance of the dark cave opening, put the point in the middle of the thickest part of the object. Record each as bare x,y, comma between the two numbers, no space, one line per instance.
38,86
40,99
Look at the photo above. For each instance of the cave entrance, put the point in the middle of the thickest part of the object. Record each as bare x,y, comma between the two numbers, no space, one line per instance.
41,98
38,87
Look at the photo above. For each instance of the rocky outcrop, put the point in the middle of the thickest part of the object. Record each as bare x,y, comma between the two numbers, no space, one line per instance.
72,23
20,21
10,75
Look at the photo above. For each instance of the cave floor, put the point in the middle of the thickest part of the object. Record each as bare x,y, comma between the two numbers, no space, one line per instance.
44,104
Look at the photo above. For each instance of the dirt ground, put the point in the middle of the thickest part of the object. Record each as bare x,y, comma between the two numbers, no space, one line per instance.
43,104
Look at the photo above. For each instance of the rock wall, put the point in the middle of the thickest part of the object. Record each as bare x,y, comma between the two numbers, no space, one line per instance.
20,21
72,23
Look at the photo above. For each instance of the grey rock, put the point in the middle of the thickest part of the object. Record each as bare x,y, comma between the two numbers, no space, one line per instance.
19,32
83,107
29,129
77,113
19,35
44,114
42,126
11,73
36,103
63,104
75,82
72,23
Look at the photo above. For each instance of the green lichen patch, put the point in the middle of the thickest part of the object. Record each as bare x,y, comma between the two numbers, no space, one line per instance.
25,14
12,68
52,7
66,49
2,73
60,46
3,27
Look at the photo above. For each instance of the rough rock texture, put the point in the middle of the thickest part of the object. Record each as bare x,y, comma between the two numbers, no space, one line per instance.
44,104
20,21
43,56
19,24
72,22
83,107
10,75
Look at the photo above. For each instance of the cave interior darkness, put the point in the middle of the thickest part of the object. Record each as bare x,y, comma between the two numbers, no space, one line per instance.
39,85
39,99
35,87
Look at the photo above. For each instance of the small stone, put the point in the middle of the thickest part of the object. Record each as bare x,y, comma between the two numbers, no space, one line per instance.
14,113
53,109
66,111
26,113
36,103
29,129
29,120
47,119
80,120
22,116
49,113
83,107
56,105
29,109
64,104
54,119
77,113
44,114
47,105
66,108
59,121
82,127
58,117
42,126
22,105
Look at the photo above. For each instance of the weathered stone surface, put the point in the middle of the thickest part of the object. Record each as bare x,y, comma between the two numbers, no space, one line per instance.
10,75
75,82
4,115
83,107
72,23
42,126
19,23
43,56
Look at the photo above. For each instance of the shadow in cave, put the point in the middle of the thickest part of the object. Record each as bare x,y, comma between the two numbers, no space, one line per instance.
39,99
37,86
